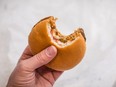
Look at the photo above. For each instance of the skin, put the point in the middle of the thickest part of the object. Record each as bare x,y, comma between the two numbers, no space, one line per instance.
31,70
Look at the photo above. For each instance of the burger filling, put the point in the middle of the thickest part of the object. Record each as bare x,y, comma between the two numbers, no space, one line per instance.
63,40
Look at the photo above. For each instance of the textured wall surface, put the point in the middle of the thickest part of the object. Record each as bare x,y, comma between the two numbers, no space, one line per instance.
97,17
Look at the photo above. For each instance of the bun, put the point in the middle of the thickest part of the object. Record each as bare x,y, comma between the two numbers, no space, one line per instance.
71,48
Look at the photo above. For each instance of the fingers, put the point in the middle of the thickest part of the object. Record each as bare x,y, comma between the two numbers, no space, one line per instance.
41,58
57,74
47,72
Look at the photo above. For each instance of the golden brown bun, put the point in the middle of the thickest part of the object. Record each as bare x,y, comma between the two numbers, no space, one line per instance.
67,56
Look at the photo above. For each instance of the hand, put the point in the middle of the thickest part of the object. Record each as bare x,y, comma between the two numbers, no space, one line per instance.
31,70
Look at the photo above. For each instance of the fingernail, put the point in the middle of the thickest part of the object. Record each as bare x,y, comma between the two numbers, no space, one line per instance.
51,51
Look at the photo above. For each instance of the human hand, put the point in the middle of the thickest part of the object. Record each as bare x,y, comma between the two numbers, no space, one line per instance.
31,70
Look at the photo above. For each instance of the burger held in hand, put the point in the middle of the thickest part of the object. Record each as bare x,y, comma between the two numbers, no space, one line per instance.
70,48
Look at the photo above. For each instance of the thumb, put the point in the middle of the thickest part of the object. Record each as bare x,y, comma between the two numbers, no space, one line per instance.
41,58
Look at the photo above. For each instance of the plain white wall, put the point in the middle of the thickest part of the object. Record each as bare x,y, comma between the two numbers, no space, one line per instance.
97,17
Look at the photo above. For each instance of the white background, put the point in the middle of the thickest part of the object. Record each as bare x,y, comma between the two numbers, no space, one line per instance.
97,17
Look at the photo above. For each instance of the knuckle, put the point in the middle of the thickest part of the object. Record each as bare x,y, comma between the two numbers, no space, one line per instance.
22,65
41,58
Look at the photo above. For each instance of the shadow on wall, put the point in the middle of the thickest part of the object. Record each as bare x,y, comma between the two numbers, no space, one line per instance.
114,84
5,64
